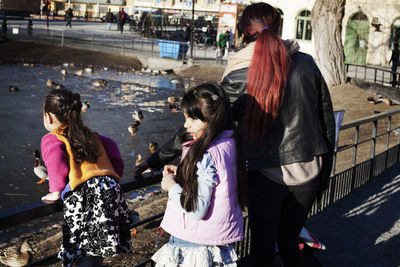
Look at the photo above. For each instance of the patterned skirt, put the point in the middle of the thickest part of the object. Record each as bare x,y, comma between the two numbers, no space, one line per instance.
96,221
181,253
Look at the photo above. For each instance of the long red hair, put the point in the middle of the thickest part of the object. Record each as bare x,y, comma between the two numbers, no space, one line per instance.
266,78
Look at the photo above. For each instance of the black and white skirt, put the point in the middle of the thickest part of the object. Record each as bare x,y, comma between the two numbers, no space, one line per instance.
96,221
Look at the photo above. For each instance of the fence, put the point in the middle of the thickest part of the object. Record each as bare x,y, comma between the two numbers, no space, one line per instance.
375,75
369,146
130,45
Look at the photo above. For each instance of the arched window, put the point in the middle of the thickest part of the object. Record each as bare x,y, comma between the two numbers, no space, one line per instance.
395,33
303,29
359,16
280,12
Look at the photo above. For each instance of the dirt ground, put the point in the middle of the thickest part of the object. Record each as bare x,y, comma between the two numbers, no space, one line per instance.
45,235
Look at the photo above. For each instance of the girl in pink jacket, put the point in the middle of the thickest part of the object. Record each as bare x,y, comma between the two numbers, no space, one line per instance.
203,214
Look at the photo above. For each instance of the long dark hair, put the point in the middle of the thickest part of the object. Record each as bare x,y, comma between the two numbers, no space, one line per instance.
268,70
66,106
209,103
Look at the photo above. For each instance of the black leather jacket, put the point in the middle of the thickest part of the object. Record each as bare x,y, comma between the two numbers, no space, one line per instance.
304,128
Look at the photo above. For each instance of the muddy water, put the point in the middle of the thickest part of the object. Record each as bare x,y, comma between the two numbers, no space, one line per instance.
110,113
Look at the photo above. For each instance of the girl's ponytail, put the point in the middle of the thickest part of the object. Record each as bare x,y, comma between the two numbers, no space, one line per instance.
66,106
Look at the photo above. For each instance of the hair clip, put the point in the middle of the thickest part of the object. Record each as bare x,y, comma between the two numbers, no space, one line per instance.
214,97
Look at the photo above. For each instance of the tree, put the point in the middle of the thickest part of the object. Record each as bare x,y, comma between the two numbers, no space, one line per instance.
326,22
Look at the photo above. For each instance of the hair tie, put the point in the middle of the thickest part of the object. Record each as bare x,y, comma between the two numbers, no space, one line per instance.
266,27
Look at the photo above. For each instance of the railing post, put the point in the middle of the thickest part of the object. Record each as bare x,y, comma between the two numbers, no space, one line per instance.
375,75
354,160
92,41
389,125
62,38
365,73
122,46
373,145
355,76
152,46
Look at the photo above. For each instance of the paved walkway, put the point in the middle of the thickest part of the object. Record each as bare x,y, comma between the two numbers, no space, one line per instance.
363,229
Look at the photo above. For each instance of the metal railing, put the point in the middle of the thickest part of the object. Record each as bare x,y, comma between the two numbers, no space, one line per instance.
376,75
381,152
130,45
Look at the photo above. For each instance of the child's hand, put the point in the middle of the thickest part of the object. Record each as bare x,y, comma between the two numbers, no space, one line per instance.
168,177
169,169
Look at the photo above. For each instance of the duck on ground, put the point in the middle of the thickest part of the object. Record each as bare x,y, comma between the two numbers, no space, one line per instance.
100,83
133,127
53,84
13,89
16,257
153,147
138,116
39,169
85,106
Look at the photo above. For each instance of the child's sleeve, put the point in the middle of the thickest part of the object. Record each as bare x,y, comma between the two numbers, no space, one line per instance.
56,161
113,154
207,180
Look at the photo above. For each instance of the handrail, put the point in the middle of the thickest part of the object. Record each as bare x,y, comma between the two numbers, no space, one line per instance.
368,119
40,209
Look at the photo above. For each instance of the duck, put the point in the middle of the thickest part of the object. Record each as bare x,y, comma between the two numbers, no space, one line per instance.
79,72
133,127
13,89
172,104
371,100
53,84
39,169
85,106
16,257
100,83
64,73
153,147
138,116
139,159
89,70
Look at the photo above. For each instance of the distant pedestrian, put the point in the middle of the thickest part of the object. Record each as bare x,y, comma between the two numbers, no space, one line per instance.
187,33
223,42
86,16
121,19
86,167
210,35
109,19
68,16
394,59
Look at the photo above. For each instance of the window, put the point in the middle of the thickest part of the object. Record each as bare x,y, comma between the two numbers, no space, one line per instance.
303,29
281,27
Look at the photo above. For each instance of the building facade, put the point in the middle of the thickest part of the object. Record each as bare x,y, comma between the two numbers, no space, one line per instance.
369,28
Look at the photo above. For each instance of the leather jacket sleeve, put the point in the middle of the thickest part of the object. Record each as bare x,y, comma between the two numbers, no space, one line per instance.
169,151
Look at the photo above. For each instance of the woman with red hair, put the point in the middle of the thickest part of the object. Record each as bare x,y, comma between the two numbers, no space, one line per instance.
285,114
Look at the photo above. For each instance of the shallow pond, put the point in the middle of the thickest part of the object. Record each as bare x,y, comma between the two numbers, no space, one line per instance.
110,113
